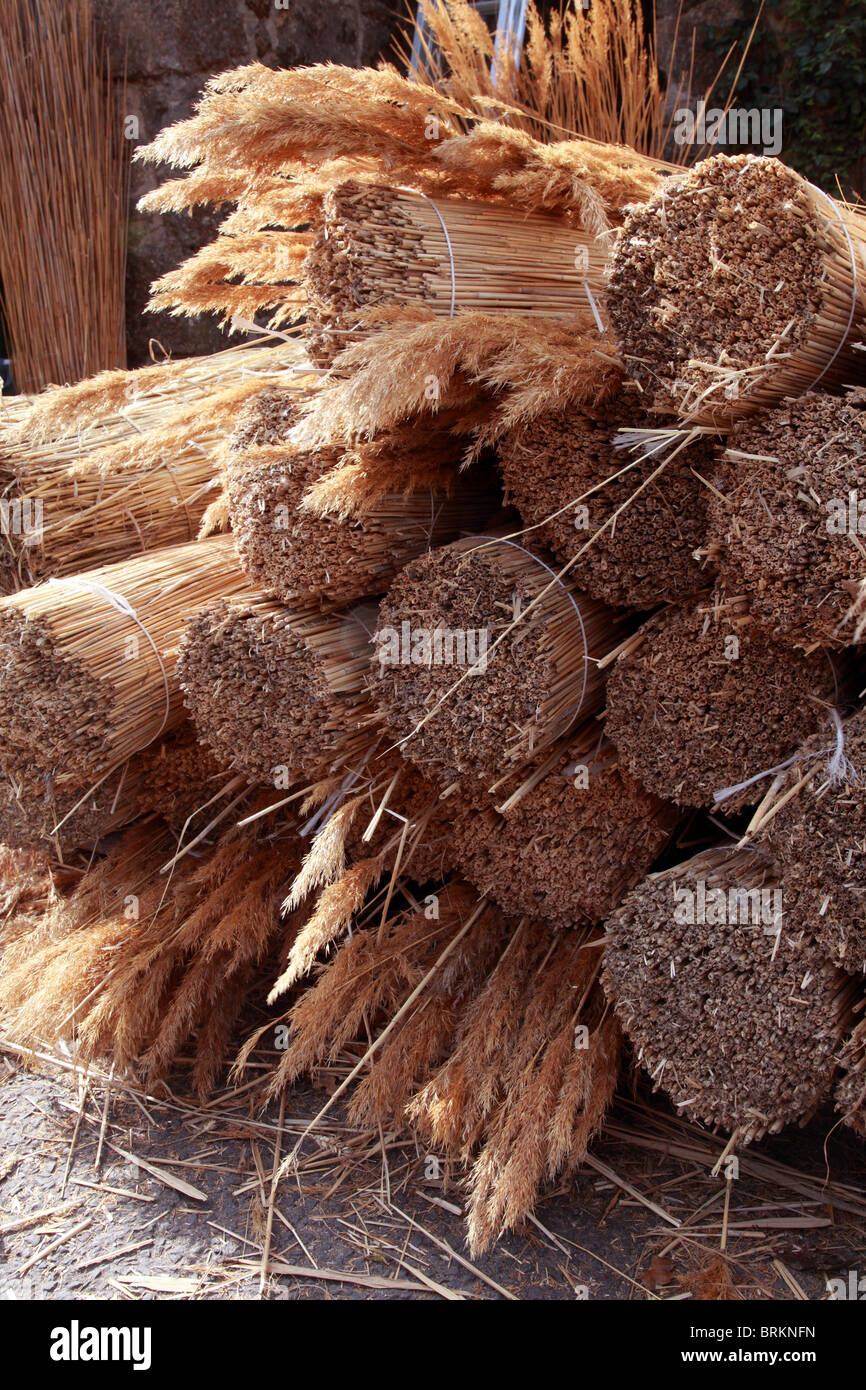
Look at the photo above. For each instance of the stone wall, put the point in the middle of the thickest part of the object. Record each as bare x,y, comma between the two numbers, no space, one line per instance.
171,47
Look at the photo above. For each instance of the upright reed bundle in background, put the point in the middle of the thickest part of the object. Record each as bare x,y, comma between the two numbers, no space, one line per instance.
62,255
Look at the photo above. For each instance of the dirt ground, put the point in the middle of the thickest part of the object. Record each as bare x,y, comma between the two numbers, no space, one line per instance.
108,1194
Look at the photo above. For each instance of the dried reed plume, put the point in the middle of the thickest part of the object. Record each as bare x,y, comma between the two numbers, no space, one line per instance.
140,966
733,1013
62,214
592,70
492,1037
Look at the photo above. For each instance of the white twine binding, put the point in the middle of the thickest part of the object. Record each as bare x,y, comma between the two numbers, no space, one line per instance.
450,253
121,605
839,766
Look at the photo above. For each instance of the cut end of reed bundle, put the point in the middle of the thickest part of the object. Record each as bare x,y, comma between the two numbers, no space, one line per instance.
631,536
571,847
815,823
708,700
473,679
735,1016
279,695
786,521
735,286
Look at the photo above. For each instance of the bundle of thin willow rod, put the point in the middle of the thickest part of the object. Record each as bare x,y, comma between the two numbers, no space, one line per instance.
87,663
785,519
737,285
63,210
706,704
280,693
737,1018
376,246
527,672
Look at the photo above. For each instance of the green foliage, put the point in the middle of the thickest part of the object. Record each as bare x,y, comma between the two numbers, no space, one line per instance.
808,60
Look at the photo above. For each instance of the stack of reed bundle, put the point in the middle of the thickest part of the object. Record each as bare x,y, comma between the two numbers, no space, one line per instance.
629,530
813,818
737,285
786,522
376,246
306,552
280,694
87,664
707,702
495,1043
485,658
735,1016
572,846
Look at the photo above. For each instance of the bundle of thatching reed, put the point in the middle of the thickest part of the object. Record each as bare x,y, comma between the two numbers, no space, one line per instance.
87,663
112,405
735,1015
786,522
485,658
491,1038
629,528
133,478
171,778
376,246
737,285
278,693
63,210
146,966
851,1087
294,543
706,703
569,848
813,818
